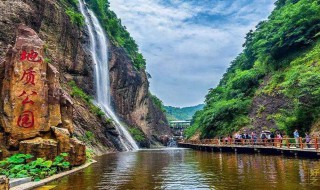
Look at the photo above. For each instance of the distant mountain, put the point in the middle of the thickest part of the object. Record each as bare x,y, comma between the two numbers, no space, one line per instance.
186,113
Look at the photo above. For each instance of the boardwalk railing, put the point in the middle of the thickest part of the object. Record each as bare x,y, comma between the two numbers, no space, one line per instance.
276,143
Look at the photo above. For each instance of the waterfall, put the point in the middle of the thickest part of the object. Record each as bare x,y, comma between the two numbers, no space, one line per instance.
99,52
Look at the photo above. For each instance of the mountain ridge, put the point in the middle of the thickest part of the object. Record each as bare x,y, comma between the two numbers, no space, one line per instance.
182,113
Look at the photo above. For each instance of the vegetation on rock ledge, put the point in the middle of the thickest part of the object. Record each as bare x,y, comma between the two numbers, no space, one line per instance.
157,102
87,138
76,18
136,134
71,10
79,93
20,166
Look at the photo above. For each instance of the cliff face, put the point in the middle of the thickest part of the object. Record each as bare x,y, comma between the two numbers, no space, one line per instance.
131,99
265,105
66,48
36,113
63,43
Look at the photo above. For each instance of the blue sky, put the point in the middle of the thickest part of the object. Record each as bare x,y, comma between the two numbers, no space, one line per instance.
189,44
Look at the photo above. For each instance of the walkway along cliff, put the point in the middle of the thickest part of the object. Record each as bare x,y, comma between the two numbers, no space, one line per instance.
66,49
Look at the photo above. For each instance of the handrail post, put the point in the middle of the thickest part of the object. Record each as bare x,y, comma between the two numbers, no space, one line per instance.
280,142
316,145
288,143
301,144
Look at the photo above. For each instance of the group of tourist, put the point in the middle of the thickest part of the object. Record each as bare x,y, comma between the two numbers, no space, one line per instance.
267,137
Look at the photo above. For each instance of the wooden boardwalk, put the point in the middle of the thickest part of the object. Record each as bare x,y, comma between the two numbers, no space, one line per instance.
270,146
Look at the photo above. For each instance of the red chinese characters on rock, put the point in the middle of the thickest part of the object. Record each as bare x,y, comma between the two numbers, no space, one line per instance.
26,100
26,119
28,76
32,56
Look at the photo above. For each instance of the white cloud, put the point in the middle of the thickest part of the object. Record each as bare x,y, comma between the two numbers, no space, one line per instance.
189,44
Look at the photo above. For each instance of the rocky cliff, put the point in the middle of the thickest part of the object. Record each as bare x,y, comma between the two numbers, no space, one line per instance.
131,98
66,49
36,113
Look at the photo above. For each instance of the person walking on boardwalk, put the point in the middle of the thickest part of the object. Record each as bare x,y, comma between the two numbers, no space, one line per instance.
308,139
296,137
279,139
254,136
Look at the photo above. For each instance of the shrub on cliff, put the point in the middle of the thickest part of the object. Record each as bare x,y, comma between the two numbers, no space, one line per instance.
136,134
73,3
157,102
71,7
87,138
79,93
75,17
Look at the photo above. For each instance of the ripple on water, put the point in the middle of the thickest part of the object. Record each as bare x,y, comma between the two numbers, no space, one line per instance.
187,169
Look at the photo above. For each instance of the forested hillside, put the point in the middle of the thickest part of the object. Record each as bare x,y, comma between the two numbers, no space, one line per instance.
185,113
275,82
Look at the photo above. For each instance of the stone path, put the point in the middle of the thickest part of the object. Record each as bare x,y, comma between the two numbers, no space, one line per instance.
33,185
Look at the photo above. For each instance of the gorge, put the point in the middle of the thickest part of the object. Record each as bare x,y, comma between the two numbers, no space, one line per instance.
75,95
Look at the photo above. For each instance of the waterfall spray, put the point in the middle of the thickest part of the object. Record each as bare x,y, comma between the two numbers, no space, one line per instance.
99,52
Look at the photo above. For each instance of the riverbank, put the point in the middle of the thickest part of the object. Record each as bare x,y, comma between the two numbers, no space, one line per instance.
33,185
271,150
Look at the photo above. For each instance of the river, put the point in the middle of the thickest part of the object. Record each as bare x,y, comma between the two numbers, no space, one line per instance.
188,169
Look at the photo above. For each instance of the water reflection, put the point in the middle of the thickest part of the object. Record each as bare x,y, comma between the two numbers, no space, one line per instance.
186,169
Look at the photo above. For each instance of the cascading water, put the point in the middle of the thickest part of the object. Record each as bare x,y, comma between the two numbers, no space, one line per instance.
99,51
